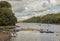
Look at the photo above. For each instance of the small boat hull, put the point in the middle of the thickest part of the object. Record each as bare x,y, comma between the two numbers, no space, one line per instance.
46,32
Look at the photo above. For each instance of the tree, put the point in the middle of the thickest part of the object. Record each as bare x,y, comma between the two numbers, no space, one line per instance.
49,18
7,17
4,4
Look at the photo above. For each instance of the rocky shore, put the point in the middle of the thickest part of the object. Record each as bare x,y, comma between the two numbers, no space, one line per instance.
5,32
5,36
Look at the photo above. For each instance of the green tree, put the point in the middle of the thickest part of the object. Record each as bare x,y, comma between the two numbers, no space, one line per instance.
49,18
4,4
7,17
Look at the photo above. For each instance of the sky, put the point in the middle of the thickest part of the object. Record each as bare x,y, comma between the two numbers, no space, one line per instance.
25,9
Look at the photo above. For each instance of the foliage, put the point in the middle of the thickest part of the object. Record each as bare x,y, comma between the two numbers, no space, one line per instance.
49,18
7,17
4,4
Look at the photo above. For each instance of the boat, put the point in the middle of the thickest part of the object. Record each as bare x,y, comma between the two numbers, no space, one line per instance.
46,31
49,32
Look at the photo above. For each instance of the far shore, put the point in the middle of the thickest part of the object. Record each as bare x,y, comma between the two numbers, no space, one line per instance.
41,23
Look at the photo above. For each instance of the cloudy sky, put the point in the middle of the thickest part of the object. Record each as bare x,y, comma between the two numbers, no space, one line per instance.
24,9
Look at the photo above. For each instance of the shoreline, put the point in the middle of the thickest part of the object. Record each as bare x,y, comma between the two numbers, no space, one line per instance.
4,36
5,32
41,23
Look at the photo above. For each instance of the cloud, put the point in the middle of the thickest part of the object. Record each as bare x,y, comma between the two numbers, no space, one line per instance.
27,8
55,2
56,11
58,2
37,6
19,6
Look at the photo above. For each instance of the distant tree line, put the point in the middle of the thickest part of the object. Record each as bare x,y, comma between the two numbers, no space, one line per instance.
7,17
49,18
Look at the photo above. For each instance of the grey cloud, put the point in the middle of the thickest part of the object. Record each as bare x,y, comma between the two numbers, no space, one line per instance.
19,10
19,7
55,2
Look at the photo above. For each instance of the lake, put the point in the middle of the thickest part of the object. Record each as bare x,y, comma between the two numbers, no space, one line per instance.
36,35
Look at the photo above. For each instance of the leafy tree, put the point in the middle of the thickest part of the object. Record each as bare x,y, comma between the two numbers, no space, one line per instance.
49,18
4,4
7,17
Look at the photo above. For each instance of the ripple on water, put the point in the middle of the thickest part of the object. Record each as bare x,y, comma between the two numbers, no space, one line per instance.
34,36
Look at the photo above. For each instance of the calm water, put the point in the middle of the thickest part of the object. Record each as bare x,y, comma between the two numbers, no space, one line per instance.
36,35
